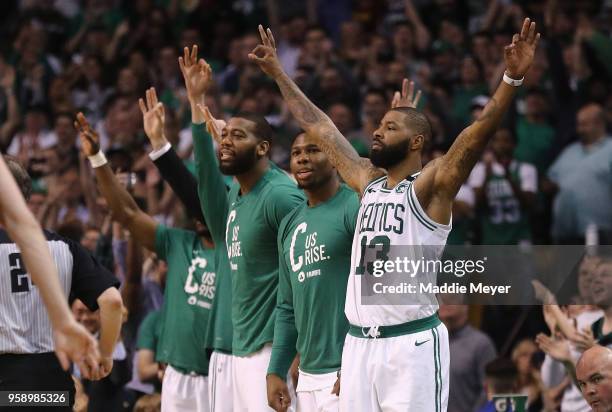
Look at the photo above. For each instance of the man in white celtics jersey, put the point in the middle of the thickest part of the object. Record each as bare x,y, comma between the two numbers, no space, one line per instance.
396,357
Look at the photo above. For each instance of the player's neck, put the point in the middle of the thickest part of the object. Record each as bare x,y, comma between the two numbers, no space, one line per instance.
249,179
322,194
402,170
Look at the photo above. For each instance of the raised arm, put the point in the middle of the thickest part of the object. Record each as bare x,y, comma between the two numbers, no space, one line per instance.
441,179
356,171
120,202
212,190
170,166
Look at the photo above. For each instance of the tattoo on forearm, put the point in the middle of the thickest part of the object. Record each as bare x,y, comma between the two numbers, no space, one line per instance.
490,112
303,110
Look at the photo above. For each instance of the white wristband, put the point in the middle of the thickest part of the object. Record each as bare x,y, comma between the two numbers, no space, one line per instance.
156,154
98,159
513,82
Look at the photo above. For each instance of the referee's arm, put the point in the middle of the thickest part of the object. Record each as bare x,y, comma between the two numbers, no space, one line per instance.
97,288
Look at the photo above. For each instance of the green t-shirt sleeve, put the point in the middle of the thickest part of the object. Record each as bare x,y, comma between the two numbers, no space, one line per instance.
147,333
280,201
285,332
162,241
211,186
351,210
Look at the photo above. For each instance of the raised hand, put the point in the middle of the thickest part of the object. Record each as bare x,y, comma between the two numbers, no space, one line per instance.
407,97
197,73
90,141
558,349
584,340
213,126
153,116
268,62
519,54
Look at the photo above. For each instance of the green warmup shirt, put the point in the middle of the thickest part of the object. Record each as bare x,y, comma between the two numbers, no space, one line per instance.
212,191
314,247
250,238
505,222
149,331
190,290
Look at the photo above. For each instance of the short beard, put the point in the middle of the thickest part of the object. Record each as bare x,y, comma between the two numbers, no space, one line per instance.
241,164
389,155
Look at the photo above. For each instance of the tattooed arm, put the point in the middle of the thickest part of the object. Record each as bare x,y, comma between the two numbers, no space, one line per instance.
440,181
356,171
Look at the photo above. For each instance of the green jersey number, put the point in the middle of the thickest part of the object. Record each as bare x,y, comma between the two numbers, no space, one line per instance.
504,211
381,243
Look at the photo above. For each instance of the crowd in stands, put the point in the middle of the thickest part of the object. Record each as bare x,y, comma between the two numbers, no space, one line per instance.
547,178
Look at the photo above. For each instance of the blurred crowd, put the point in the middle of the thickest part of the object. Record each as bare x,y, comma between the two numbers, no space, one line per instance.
547,178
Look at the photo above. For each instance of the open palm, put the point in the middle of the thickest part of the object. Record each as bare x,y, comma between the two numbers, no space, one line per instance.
197,73
519,54
153,116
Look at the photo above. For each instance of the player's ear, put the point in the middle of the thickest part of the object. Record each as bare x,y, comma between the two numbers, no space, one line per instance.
417,142
263,148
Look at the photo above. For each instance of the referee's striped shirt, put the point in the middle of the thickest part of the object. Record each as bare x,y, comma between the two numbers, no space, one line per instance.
24,324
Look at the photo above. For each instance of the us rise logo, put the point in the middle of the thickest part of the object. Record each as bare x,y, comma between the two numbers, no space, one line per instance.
313,252
231,240
204,289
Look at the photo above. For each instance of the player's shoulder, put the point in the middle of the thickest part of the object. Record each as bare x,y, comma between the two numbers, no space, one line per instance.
375,182
280,187
291,219
348,197
176,234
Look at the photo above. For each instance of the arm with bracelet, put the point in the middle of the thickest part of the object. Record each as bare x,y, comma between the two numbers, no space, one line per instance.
165,158
123,207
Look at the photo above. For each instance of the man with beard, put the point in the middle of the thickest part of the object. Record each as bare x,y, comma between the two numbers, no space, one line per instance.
190,283
246,221
396,356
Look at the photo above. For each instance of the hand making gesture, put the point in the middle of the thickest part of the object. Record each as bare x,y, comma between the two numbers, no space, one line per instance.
268,62
153,117
519,54
90,141
407,97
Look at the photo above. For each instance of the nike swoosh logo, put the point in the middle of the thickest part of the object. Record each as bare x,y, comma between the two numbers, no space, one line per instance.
417,343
